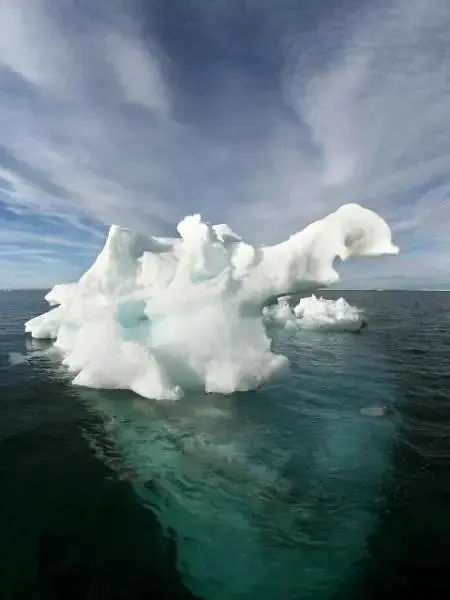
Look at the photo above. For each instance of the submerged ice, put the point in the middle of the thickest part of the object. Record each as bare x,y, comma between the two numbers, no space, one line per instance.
158,316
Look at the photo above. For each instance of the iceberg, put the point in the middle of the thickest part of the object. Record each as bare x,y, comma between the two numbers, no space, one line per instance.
315,313
159,316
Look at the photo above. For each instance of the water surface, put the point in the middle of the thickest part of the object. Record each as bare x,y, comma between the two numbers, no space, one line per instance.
332,482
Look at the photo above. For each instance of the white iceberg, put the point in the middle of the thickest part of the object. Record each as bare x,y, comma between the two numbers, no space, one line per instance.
158,316
315,313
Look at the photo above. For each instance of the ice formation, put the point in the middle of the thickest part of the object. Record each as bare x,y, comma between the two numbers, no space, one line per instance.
159,316
314,313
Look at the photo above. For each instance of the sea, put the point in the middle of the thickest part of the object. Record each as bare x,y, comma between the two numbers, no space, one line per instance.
330,483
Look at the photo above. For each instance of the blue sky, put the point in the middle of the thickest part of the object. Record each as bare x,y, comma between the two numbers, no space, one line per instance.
262,114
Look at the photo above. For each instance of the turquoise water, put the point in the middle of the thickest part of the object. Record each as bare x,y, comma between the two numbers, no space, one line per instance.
327,483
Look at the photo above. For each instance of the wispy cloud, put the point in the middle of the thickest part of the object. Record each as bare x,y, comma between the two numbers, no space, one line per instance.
262,114
379,114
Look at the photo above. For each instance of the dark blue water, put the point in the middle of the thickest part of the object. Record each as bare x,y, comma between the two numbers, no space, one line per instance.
295,491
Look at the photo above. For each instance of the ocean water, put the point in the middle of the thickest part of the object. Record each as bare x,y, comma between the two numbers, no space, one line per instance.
330,483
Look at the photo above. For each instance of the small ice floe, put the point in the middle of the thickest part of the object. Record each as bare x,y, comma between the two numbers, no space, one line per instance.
374,411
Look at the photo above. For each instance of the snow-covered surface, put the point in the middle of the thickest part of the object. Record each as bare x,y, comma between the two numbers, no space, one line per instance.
158,316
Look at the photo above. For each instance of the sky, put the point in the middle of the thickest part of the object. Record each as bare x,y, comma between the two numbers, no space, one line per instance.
264,115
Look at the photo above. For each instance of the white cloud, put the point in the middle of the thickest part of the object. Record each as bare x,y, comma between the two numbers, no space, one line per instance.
31,46
62,118
137,71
